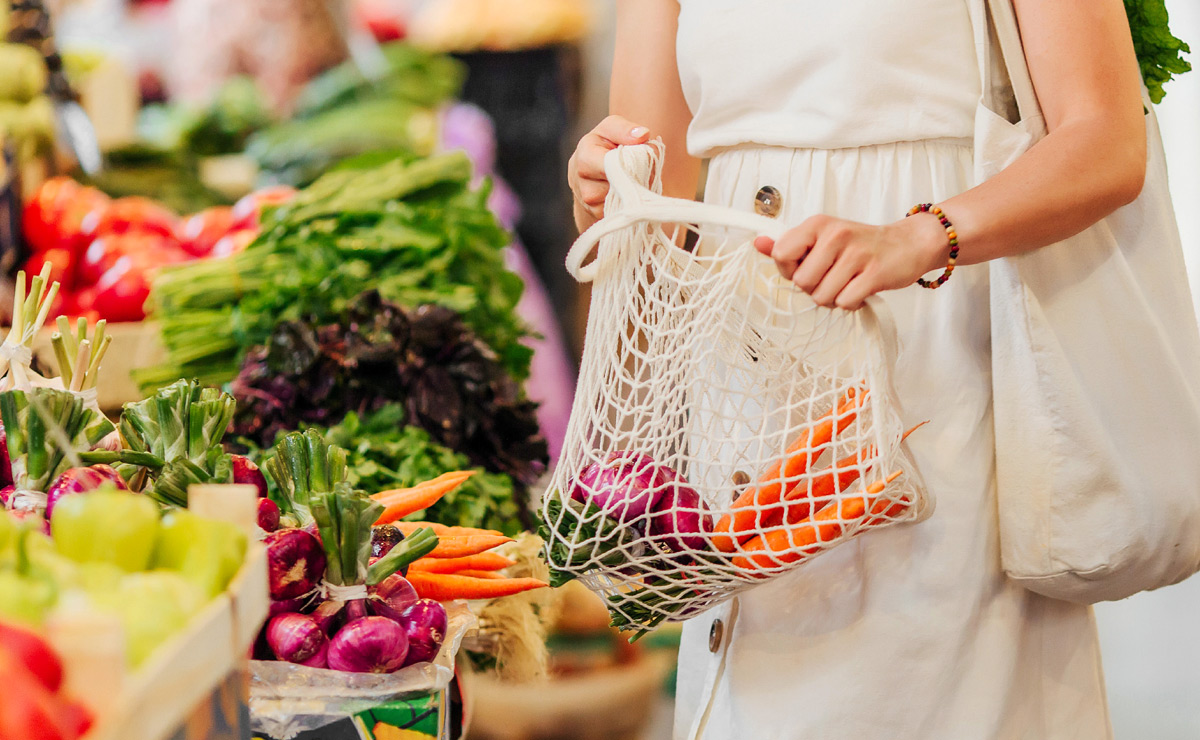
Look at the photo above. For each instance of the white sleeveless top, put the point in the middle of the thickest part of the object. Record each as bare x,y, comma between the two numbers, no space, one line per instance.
826,74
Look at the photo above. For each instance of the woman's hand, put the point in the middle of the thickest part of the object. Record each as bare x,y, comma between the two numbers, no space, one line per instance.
840,263
585,170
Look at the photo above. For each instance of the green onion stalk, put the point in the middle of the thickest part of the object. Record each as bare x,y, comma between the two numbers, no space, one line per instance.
303,465
30,310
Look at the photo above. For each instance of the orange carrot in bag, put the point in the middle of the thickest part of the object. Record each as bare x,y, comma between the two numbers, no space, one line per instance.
484,561
829,482
749,512
789,545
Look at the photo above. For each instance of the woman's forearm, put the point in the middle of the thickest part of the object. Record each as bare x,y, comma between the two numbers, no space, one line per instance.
1077,175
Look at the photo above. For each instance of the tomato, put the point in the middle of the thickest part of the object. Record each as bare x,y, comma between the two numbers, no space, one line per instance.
121,292
201,231
62,266
247,210
233,242
130,214
104,251
40,214
381,18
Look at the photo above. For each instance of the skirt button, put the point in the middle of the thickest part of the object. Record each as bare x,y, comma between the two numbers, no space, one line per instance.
768,201
715,634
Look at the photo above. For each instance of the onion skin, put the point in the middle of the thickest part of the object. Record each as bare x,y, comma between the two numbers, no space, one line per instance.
625,485
384,538
329,615
285,606
392,596
245,472
268,515
681,520
80,480
320,660
424,624
295,563
110,443
369,645
6,494
295,638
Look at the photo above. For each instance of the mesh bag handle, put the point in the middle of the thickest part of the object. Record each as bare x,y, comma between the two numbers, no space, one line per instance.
725,429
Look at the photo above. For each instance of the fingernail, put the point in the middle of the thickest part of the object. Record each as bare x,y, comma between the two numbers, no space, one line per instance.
638,132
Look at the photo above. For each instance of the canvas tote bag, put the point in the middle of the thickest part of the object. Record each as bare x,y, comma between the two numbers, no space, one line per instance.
1096,363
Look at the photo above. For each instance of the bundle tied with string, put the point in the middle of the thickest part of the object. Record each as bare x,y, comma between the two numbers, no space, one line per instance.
725,429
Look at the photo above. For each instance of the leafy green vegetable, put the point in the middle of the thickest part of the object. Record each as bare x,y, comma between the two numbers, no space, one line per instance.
413,230
1160,53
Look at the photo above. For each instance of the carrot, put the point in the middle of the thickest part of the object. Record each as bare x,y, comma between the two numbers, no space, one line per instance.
486,574
779,546
832,480
448,587
484,561
461,547
749,512
441,530
401,502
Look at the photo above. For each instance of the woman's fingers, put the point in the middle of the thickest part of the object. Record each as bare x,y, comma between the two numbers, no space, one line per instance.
844,270
619,131
585,171
794,246
855,293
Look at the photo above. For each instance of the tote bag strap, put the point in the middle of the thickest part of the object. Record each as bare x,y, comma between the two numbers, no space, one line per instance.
1011,54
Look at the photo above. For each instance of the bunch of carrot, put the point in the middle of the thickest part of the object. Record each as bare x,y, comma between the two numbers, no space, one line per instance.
778,521
462,566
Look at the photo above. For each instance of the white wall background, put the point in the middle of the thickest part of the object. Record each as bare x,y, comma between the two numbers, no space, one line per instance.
1151,642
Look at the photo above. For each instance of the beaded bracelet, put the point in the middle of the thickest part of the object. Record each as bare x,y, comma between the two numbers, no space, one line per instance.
950,232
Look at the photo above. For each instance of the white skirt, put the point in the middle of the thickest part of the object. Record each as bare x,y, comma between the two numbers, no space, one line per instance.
913,631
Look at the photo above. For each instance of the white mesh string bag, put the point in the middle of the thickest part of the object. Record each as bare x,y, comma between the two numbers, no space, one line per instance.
725,429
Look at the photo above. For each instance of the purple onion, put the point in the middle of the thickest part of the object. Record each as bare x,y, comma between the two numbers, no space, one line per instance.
384,538
392,596
329,615
295,637
424,624
110,443
295,563
6,477
626,485
320,660
268,515
286,606
245,472
6,494
80,480
681,519
369,645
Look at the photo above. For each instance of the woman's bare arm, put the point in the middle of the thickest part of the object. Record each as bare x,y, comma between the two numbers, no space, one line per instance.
645,100
1093,161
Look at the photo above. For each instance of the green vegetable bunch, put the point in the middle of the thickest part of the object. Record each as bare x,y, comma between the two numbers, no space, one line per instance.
1159,52
412,229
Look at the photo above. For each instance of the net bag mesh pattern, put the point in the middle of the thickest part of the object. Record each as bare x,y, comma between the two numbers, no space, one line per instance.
725,429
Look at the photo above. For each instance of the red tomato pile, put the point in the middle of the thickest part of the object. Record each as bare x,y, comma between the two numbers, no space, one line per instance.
104,251
33,707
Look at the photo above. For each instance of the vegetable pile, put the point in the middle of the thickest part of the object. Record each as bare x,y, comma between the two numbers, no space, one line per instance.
627,514
350,590
412,229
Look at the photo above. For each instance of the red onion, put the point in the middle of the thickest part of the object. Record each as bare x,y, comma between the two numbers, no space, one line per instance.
6,477
384,538
110,443
295,563
286,606
268,515
424,624
625,486
320,660
247,473
295,637
392,596
80,480
681,519
6,494
369,645
329,615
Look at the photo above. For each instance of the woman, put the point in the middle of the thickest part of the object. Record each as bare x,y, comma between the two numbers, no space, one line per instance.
839,117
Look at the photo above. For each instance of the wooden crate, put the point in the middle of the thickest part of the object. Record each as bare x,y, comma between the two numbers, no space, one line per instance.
134,345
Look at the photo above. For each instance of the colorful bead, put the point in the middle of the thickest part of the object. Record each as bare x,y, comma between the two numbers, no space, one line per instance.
951,234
